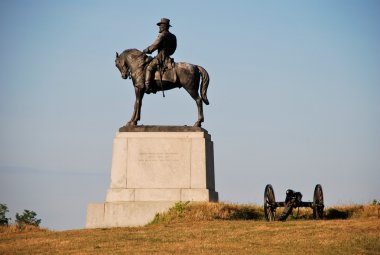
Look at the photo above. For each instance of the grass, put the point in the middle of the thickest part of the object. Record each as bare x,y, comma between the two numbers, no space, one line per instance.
211,228
183,212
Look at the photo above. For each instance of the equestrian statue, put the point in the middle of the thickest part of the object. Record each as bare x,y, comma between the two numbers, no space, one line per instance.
161,73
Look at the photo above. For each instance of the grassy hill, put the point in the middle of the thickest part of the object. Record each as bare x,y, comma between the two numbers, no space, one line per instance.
212,228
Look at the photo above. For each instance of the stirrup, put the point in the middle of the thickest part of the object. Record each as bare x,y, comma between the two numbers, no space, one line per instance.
148,89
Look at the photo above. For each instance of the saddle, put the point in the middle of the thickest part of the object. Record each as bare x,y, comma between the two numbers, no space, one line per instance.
169,75
169,72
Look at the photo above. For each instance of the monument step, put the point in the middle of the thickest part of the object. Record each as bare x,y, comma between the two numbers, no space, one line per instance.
117,195
124,214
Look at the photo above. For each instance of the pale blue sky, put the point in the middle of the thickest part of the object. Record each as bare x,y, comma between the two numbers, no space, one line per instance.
294,97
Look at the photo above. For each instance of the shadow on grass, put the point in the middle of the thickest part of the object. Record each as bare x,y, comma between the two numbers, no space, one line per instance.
241,213
335,214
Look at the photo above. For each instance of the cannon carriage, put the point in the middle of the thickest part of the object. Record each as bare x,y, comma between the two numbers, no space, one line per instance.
270,204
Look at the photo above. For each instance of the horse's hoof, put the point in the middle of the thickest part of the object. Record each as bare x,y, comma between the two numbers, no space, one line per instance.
131,123
197,124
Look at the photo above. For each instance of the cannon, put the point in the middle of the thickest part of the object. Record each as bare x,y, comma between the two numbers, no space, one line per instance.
270,204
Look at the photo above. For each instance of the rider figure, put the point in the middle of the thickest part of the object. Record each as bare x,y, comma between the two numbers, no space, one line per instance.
165,44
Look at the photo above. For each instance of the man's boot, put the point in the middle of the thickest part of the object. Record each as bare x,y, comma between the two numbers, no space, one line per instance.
147,87
147,82
148,75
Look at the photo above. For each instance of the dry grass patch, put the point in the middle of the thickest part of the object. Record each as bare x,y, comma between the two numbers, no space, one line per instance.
209,228
185,211
354,236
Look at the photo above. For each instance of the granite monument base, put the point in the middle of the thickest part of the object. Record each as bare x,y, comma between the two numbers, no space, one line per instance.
153,167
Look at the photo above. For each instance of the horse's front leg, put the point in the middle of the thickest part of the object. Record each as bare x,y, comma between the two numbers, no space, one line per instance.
139,97
133,121
137,107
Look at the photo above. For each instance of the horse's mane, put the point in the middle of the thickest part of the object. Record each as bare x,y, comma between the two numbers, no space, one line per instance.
134,57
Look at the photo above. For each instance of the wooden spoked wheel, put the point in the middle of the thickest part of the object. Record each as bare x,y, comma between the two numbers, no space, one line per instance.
318,204
269,203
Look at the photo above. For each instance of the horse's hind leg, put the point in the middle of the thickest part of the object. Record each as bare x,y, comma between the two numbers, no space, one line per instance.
198,100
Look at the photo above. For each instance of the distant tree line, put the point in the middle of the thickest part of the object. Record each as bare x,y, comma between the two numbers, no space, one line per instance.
26,218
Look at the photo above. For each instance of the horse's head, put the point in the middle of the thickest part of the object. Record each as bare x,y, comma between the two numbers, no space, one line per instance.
122,65
130,61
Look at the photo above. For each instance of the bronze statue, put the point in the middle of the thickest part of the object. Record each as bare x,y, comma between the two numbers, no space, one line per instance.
136,65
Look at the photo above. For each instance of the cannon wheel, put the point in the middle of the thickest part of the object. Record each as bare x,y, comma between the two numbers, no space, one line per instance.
269,203
318,204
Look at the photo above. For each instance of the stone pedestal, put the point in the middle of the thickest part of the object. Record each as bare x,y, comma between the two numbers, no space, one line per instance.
152,168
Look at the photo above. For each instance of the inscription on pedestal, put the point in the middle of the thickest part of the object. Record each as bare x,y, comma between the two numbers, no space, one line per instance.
159,157
158,163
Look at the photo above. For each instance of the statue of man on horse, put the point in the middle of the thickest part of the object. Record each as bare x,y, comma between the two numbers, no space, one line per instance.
165,44
161,73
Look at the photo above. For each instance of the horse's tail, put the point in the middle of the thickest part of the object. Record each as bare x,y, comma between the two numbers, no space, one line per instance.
204,84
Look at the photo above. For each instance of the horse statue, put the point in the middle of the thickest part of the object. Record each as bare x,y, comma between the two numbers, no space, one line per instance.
132,63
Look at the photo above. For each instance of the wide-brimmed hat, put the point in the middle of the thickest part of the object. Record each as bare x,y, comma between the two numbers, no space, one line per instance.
164,21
